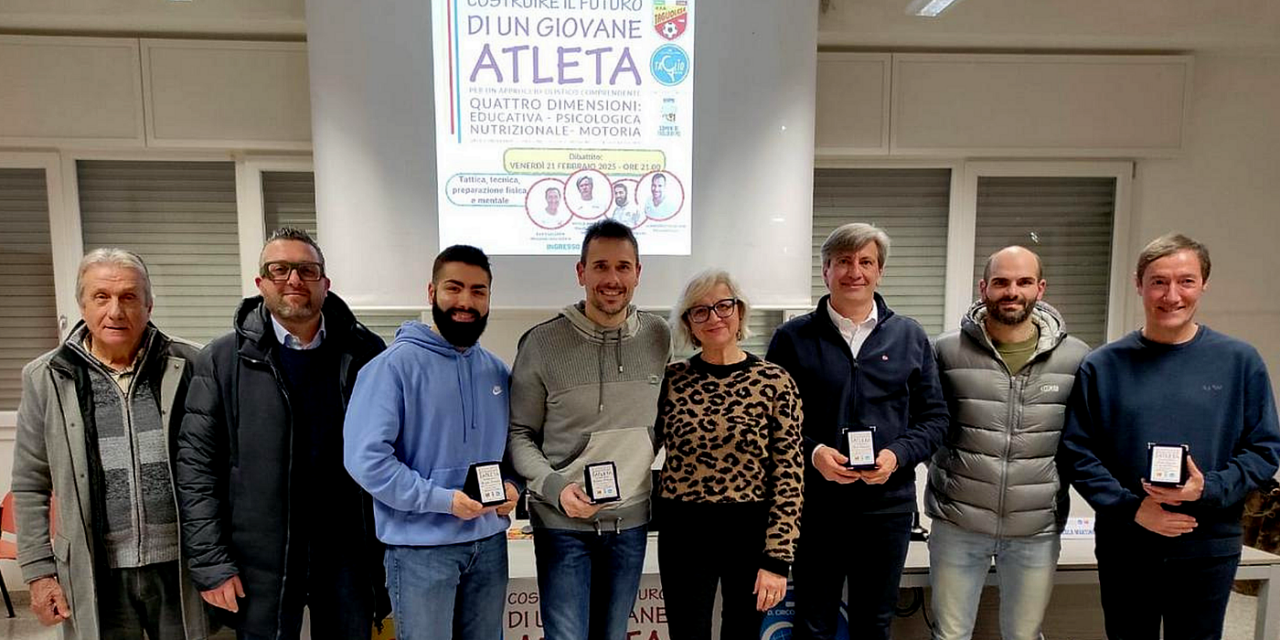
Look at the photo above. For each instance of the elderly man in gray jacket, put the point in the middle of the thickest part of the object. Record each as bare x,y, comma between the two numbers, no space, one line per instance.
994,490
94,429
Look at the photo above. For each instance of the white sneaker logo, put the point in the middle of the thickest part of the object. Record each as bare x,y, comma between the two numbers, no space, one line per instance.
497,390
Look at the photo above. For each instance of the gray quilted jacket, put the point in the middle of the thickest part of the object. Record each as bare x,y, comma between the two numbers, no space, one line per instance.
994,473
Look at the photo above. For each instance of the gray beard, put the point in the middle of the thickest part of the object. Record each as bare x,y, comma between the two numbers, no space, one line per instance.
287,312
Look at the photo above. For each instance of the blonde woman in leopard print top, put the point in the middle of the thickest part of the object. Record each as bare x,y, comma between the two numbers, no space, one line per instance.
732,483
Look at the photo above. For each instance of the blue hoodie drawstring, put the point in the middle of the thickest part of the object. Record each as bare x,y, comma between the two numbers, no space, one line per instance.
462,393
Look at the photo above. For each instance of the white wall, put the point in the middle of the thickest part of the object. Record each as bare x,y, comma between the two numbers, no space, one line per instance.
375,163
1100,25
1224,192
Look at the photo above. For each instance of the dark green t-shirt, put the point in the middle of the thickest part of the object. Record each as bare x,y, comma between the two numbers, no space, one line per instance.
1016,354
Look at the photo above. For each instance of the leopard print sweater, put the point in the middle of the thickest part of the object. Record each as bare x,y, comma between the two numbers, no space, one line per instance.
732,434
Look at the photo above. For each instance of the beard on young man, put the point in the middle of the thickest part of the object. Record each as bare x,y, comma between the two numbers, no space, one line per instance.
1010,316
459,333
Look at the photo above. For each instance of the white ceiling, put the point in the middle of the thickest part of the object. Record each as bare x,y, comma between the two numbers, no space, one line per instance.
1182,25
1177,25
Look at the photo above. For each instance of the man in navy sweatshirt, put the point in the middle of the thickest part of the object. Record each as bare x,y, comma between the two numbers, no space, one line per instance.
1169,553
423,412
858,365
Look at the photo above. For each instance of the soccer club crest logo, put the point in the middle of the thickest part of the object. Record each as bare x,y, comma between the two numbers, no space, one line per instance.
670,17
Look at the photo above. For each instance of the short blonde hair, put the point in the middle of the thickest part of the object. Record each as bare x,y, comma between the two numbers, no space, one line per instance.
700,286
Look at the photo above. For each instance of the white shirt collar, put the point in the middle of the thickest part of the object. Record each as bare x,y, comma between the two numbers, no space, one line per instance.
290,341
844,323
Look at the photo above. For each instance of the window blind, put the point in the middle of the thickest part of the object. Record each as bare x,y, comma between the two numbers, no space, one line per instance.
289,200
762,324
29,323
1067,221
181,218
912,206
384,322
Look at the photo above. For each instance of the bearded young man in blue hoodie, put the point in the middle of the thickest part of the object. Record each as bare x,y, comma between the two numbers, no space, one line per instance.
423,412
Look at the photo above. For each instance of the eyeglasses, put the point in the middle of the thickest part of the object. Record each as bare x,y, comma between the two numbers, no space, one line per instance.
279,270
723,308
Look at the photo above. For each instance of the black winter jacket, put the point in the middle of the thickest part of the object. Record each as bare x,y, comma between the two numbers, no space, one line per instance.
892,385
235,457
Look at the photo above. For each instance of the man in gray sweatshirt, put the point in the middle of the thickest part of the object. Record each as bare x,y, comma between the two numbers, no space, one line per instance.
584,390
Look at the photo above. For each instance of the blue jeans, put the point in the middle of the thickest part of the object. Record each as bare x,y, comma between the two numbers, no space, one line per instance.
451,591
588,581
958,564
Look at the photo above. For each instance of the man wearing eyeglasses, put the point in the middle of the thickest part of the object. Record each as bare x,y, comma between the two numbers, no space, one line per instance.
272,522
863,371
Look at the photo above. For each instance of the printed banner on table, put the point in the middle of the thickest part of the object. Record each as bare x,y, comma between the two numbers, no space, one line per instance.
552,114
648,616
524,613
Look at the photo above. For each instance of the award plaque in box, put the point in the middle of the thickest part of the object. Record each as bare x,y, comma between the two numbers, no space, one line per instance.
484,484
601,482
859,445
1167,464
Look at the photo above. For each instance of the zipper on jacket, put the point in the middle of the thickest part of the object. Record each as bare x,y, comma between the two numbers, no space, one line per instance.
1015,396
852,411
288,483
126,404
344,365
854,363
1013,418
126,417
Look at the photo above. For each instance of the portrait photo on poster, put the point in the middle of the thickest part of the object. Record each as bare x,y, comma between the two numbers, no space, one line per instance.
544,204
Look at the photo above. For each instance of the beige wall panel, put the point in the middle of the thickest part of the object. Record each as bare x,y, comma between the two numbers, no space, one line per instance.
853,104
69,90
226,94
1017,105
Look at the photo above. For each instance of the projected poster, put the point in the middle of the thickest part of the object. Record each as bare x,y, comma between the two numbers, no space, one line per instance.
553,114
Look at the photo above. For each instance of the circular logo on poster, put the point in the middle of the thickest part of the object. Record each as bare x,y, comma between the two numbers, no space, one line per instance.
669,65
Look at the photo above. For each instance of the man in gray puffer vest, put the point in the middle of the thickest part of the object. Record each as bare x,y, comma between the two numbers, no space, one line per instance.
994,491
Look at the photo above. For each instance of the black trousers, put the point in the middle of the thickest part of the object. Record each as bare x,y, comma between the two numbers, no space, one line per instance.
334,587
144,600
1140,589
701,545
868,551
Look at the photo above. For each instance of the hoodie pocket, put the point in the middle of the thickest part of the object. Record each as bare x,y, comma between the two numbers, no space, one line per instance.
630,450
449,477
